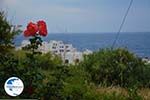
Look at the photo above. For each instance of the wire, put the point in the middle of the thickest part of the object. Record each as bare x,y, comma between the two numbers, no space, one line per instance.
122,23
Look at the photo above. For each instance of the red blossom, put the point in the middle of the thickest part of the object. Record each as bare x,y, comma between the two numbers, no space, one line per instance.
42,28
32,28
27,33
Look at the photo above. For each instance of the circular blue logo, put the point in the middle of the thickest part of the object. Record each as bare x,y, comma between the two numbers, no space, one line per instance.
14,86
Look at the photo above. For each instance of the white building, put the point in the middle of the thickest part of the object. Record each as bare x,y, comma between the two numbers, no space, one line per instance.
45,47
146,60
23,44
68,53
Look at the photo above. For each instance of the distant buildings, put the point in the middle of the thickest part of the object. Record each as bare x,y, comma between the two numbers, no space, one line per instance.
146,60
67,52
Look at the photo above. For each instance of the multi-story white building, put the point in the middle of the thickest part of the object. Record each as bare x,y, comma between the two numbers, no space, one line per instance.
68,53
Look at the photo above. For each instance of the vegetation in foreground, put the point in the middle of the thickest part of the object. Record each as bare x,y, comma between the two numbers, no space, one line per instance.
109,74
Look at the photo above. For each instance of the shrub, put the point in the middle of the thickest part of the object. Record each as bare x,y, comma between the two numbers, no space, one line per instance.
48,61
115,67
31,76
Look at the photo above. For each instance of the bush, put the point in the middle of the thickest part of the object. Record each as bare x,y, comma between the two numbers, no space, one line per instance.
48,61
116,67
31,76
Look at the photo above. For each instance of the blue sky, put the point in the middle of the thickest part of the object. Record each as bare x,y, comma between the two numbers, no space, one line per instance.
76,16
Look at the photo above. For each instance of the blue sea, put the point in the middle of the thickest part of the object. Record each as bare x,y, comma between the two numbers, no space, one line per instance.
137,42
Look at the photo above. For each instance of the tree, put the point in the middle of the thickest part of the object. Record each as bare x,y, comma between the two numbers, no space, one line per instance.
8,64
7,33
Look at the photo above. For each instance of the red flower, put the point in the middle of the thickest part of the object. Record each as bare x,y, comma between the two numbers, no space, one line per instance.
42,28
26,33
32,28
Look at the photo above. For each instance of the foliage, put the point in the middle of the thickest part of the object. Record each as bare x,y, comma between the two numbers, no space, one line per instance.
48,61
8,64
7,34
133,94
12,67
35,41
116,67
146,75
53,80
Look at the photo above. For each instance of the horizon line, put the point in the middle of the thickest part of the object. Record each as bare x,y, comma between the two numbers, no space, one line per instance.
93,32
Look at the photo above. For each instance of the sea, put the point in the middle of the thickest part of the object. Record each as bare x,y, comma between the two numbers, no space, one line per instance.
136,42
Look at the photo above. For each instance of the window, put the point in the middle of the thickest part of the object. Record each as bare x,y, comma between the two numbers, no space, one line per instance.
61,50
53,47
55,51
76,60
61,46
68,51
66,61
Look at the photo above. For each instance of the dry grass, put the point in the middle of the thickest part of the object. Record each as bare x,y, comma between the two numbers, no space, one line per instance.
145,92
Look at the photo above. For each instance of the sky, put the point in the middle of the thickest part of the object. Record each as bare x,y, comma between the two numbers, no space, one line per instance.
80,16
